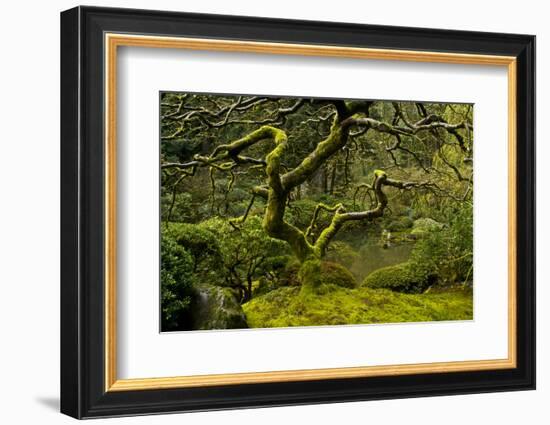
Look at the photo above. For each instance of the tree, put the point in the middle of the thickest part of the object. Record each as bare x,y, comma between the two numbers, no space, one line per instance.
286,143
247,253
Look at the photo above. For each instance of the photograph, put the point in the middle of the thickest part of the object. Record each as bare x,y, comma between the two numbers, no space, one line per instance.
278,212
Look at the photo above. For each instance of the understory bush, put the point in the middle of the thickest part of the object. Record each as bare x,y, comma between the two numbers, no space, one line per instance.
405,277
176,276
246,253
314,274
201,243
399,224
448,251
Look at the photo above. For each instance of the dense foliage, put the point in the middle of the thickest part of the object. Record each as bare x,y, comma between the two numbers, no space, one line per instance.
313,198
176,276
246,254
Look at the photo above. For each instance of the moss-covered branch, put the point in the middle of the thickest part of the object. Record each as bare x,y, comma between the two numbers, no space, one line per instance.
335,141
346,115
341,216
316,212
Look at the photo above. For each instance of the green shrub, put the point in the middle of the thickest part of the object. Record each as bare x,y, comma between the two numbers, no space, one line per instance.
400,224
177,209
443,255
316,273
201,243
176,277
448,251
336,274
246,252
405,277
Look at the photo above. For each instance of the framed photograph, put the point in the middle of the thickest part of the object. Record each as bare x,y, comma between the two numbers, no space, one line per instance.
261,212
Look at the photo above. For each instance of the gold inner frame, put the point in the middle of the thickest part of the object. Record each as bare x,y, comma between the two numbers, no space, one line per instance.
113,41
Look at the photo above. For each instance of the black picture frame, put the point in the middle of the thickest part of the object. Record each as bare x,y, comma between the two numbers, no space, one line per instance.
83,392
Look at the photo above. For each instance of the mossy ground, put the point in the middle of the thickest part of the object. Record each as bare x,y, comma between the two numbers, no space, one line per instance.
334,305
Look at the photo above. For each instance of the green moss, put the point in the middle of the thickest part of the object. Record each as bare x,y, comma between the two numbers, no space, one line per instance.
404,277
334,305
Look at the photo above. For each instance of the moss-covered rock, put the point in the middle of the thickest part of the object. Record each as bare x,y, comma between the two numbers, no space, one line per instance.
405,277
215,307
425,225
334,305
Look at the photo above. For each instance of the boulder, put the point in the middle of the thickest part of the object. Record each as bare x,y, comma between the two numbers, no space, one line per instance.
425,225
215,307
